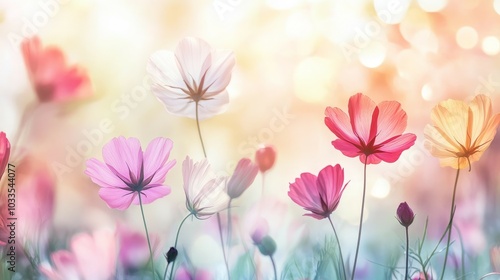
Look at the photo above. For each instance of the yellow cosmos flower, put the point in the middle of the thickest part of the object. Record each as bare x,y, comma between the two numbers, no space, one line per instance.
461,132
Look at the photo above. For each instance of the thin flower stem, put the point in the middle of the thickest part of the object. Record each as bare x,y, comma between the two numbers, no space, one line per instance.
229,227
30,108
360,220
274,268
222,244
450,225
340,249
407,247
175,246
199,131
147,237
263,184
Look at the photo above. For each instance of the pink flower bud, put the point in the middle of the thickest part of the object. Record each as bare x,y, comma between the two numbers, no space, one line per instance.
405,214
265,157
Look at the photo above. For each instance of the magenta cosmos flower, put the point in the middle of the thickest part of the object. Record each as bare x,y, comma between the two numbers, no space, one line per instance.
320,195
193,79
128,172
372,132
52,78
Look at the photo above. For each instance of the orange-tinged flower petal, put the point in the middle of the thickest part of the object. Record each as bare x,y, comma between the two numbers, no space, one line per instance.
461,132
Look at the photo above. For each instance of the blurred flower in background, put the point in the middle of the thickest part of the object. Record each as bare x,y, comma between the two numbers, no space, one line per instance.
4,152
265,156
243,176
51,77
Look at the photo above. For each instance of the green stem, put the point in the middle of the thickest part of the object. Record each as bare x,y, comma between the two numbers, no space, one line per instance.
407,245
199,131
340,249
222,244
360,220
450,225
175,246
274,268
147,237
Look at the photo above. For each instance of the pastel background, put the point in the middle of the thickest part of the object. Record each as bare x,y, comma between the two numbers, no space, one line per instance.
293,58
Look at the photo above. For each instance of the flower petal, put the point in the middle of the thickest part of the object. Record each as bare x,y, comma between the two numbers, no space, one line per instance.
304,192
479,115
100,174
392,148
219,73
451,117
330,185
151,194
391,120
193,58
165,75
124,155
347,148
361,113
213,106
155,157
338,122
117,198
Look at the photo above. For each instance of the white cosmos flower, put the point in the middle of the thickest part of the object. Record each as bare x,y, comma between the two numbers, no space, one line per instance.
205,192
193,77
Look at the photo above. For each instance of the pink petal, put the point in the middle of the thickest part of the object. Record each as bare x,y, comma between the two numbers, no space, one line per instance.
243,176
117,198
155,159
65,264
100,174
362,112
72,83
338,122
124,155
330,185
214,106
4,152
391,120
304,192
392,149
95,254
347,148
151,194
316,216
372,159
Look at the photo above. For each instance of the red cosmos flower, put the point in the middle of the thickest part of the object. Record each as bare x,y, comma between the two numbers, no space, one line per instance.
52,78
372,132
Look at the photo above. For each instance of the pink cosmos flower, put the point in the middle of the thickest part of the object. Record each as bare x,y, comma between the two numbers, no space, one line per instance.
128,172
265,157
51,77
193,79
133,249
243,176
320,195
372,132
4,152
205,192
92,257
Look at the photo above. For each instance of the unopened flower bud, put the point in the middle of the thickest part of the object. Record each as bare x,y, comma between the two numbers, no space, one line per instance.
267,246
265,157
171,255
405,215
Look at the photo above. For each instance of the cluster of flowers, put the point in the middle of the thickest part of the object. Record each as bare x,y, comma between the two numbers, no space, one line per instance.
191,82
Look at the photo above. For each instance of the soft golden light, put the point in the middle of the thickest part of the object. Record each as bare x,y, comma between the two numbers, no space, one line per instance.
313,79
372,55
491,45
466,37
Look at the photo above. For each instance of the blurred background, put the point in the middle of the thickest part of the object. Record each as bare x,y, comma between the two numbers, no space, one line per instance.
293,59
